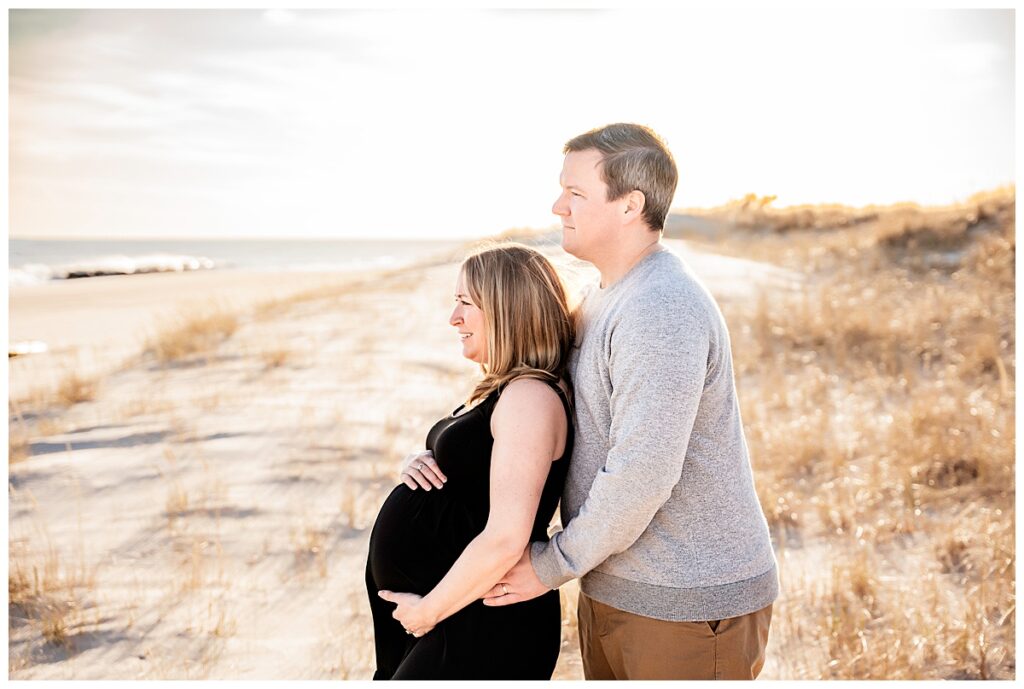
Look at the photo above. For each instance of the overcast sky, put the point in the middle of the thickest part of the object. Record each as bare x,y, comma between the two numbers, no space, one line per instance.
439,124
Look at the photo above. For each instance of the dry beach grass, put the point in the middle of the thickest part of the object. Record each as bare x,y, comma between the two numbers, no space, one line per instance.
203,511
879,406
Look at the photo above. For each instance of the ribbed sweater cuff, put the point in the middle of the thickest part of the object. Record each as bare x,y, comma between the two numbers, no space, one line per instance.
545,565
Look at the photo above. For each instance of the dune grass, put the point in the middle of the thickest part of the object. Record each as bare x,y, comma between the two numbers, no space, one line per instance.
18,448
47,591
879,408
75,388
192,332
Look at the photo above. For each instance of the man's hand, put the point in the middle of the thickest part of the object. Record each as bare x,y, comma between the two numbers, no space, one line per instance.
519,584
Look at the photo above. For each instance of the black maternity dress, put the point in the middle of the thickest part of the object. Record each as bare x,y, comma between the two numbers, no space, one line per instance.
419,535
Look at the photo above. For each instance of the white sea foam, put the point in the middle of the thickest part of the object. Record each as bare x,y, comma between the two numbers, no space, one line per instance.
29,274
113,264
119,264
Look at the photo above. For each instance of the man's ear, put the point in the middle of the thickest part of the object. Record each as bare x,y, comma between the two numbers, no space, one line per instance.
635,204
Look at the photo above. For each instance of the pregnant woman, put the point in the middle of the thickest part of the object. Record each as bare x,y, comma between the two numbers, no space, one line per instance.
487,485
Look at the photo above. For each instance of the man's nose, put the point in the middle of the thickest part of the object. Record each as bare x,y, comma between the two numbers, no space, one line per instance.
560,207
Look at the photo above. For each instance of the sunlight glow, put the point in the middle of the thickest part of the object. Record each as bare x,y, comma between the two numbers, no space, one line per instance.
450,123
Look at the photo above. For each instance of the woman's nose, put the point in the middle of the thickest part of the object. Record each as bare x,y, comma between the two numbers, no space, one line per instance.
456,318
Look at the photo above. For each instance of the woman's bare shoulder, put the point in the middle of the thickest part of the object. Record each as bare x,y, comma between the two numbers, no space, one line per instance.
530,400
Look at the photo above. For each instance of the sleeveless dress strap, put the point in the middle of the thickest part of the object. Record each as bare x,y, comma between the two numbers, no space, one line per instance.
561,394
569,415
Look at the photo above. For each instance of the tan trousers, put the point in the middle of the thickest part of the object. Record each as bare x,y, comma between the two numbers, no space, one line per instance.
621,645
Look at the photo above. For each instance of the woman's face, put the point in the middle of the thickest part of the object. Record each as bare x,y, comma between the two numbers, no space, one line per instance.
470,322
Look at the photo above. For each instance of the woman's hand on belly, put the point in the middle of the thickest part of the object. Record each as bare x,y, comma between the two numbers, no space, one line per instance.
420,470
410,612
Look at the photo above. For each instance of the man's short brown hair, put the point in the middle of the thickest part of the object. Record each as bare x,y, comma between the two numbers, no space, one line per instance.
633,157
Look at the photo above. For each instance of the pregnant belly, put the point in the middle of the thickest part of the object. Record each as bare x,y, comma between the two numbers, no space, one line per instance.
417,537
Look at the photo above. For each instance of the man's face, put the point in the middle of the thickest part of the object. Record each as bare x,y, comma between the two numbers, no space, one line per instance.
589,221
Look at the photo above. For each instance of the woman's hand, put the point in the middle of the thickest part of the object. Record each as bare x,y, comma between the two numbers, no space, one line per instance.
410,612
420,470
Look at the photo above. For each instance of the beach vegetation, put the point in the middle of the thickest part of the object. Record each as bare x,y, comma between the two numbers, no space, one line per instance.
48,592
309,543
348,506
275,357
18,447
193,332
74,388
878,399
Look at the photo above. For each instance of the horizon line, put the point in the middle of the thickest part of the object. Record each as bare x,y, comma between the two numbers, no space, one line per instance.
684,210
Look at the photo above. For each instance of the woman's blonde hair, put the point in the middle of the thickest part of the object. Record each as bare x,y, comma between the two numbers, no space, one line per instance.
530,328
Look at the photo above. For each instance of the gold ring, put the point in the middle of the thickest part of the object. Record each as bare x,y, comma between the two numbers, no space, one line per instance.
504,588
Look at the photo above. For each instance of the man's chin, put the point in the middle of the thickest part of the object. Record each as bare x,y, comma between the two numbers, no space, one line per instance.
568,245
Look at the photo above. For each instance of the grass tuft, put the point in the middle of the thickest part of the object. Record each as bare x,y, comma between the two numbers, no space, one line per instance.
193,333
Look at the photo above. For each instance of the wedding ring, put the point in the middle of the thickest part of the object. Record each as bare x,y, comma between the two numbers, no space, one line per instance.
504,589
422,466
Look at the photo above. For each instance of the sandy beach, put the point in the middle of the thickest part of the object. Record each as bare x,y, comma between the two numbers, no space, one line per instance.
92,326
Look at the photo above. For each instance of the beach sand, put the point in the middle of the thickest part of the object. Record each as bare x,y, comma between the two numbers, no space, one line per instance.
92,325
208,518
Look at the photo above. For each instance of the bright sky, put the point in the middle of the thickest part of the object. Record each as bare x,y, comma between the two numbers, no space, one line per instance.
441,124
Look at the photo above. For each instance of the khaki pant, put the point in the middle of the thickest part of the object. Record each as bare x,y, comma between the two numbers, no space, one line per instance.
621,645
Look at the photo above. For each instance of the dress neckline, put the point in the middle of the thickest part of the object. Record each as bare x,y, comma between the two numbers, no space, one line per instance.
456,415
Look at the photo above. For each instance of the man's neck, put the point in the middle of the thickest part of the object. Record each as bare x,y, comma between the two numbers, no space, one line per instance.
616,267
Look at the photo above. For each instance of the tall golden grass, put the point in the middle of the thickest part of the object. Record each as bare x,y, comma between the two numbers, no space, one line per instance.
879,408
48,591
192,332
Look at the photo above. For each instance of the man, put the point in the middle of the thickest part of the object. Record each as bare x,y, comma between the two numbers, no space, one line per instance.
661,520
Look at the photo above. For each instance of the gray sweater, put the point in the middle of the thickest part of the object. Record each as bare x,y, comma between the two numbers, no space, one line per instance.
659,510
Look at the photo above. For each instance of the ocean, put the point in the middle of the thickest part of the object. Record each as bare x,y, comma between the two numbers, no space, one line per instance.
32,261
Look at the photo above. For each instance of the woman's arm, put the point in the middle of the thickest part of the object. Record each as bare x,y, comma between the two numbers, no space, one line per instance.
529,429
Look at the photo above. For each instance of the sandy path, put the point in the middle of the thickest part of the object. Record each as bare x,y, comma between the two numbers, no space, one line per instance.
214,513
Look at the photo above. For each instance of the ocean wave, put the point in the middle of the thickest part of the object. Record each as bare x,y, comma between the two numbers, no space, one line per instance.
114,264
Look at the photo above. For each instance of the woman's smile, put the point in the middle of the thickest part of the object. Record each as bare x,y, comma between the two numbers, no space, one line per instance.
467,314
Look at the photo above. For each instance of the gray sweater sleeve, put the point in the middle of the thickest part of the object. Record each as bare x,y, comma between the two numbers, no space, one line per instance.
657,367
